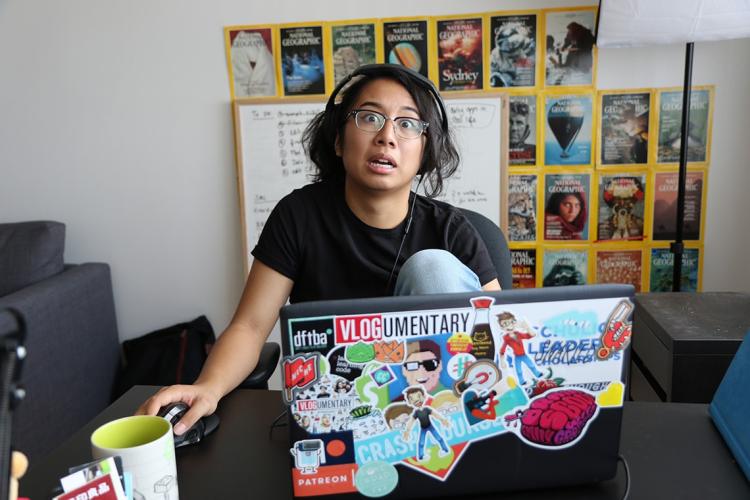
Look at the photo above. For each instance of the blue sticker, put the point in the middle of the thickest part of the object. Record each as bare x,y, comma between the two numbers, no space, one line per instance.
376,479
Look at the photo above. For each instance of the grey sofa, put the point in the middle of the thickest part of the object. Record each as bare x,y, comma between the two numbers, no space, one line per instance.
72,340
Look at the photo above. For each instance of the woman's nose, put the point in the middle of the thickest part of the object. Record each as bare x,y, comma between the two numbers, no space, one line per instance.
387,134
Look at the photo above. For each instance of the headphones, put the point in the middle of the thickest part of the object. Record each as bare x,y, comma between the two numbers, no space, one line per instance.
397,72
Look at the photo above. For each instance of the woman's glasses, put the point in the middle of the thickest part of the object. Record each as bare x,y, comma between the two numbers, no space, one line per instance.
372,121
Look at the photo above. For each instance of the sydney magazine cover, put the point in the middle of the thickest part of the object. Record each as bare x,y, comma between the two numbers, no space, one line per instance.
460,54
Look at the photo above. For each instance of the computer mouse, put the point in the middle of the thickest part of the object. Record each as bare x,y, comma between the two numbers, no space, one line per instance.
173,412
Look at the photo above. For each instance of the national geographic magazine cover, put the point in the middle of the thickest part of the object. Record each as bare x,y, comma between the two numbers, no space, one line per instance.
622,203
459,54
623,128
570,54
665,205
620,266
661,273
352,45
250,51
566,206
670,123
522,202
565,266
523,262
302,68
568,129
522,136
405,42
513,50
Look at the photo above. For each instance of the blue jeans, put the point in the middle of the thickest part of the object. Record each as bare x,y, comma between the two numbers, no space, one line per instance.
525,360
435,435
435,271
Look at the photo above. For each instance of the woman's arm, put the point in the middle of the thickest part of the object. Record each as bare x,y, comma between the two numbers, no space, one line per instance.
235,354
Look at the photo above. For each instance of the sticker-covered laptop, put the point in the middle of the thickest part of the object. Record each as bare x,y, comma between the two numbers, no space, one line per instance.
425,396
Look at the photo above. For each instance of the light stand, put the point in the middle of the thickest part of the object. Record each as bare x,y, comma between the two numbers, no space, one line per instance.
677,247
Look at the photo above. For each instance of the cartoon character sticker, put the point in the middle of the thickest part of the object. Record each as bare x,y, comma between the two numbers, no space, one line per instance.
423,365
308,455
415,398
514,333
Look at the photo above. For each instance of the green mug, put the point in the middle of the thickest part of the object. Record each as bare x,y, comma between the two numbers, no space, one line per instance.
146,447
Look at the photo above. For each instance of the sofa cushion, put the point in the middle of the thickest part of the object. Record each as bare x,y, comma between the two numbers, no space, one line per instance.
29,252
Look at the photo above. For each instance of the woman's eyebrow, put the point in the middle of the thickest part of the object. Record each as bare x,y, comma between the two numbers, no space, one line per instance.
379,106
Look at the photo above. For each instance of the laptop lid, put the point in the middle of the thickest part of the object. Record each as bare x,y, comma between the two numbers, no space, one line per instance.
421,396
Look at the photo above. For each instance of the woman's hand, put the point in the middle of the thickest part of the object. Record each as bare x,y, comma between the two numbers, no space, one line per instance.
199,397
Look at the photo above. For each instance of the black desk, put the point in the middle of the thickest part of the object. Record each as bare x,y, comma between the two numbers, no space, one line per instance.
673,451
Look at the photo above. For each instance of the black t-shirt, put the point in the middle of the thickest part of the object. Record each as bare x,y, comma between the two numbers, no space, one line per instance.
423,415
313,238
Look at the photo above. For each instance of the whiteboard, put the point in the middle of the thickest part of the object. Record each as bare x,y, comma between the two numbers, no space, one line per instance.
271,161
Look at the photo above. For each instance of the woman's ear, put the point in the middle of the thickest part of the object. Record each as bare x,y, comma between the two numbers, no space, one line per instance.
337,145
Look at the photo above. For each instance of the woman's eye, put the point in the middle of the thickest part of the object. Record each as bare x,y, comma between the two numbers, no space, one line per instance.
371,118
408,123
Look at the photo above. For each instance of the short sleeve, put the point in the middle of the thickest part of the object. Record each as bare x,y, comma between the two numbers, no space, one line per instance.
280,243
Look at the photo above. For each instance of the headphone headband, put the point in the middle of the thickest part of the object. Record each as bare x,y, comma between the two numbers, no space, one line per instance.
392,71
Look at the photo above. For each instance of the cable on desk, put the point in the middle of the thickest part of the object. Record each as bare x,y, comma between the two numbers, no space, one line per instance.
276,423
620,458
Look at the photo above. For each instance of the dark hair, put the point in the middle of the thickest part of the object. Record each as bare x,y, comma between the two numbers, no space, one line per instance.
415,346
519,108
505,315
413,390
553,205
440,158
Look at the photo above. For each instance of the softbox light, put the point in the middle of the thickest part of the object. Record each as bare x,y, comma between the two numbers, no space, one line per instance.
634,23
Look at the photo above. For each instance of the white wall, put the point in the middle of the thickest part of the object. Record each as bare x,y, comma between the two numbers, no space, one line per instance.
115,119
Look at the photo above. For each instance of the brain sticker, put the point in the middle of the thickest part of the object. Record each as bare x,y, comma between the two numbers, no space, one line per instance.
556,419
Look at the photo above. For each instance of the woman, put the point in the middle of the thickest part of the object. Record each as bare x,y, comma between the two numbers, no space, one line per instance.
565,216
349,233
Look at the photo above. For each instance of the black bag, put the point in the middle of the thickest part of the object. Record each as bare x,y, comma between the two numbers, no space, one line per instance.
173,355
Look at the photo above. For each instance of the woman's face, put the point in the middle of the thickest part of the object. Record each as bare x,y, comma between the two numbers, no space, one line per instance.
569,208
381,162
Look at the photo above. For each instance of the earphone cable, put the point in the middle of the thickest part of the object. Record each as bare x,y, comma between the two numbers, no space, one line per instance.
403,238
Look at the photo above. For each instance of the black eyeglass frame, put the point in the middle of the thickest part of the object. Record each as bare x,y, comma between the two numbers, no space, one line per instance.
423,364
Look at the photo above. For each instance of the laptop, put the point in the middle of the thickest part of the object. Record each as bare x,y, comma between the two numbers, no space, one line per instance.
456,394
